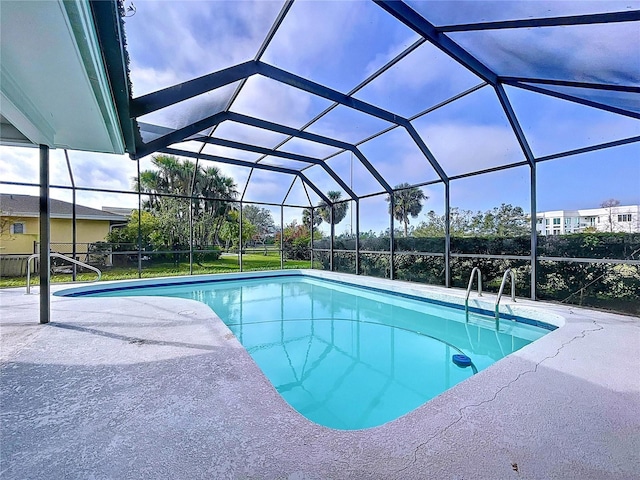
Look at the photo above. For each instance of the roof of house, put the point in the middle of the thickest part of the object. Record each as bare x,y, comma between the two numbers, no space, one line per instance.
29,206
56,87
126,211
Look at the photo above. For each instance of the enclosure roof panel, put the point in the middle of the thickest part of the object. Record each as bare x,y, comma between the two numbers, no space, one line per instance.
598,53
318,39
411,91
172,42
458,12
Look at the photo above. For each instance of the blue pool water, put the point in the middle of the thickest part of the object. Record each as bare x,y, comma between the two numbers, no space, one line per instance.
348,357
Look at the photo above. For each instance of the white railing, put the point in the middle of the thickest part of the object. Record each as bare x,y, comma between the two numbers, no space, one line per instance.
512,275
68,259
466,300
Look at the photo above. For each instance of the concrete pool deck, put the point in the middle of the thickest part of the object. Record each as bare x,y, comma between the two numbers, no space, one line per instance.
152,387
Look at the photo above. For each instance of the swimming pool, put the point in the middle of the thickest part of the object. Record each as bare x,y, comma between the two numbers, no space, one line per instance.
345,356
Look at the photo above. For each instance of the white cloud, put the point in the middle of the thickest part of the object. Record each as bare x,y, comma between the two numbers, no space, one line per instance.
89,169
471,11
230,153
384,57
267,186
273,101
247,134
297,196
191,110
605,53
398,159
336,43
420,68
321,179
552,125
170,41
422,79
308,148
363,182
19,164
571,133
347,124
462,148
313,30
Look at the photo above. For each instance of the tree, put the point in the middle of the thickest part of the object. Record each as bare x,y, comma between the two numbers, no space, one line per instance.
215,190
212,193
306,218
263,222
5,225
407,202
230,231
296,240
339,209
461,223
609,205
170,176
173,225
6,221
432,227
126,237
503,221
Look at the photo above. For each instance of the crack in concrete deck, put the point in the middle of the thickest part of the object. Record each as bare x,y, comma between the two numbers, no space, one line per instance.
495,395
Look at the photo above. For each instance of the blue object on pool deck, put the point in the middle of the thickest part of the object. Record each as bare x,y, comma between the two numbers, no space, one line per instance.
461,360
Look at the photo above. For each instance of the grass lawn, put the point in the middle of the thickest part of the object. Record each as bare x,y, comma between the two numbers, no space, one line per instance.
224,264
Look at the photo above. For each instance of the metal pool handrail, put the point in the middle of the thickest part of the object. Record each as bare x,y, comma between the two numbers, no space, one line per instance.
512,276
466,300
64,257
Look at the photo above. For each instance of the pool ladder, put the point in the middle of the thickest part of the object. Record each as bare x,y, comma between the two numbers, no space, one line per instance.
466,300
64,257
507,274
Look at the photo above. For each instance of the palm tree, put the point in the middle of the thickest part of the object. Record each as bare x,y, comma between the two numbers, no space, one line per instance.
212,190
339,210
306,218
150,184
407,201
169,171
213,184
171,176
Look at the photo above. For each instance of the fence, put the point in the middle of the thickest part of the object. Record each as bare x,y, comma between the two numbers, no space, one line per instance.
598,270
122,260
15,265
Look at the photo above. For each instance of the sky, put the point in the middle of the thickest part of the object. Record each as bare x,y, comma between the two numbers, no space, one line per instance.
339,44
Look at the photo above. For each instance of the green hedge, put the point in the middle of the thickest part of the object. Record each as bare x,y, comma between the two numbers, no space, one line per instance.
591,245
603,285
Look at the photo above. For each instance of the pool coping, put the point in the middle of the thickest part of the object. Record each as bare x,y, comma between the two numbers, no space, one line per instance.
506,418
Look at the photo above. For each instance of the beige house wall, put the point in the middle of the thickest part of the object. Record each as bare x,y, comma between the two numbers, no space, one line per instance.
88,231
19,243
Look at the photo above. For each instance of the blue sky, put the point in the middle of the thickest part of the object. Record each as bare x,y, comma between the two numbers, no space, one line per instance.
340,43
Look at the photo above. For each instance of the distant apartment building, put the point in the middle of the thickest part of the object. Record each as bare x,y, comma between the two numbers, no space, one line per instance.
622,218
